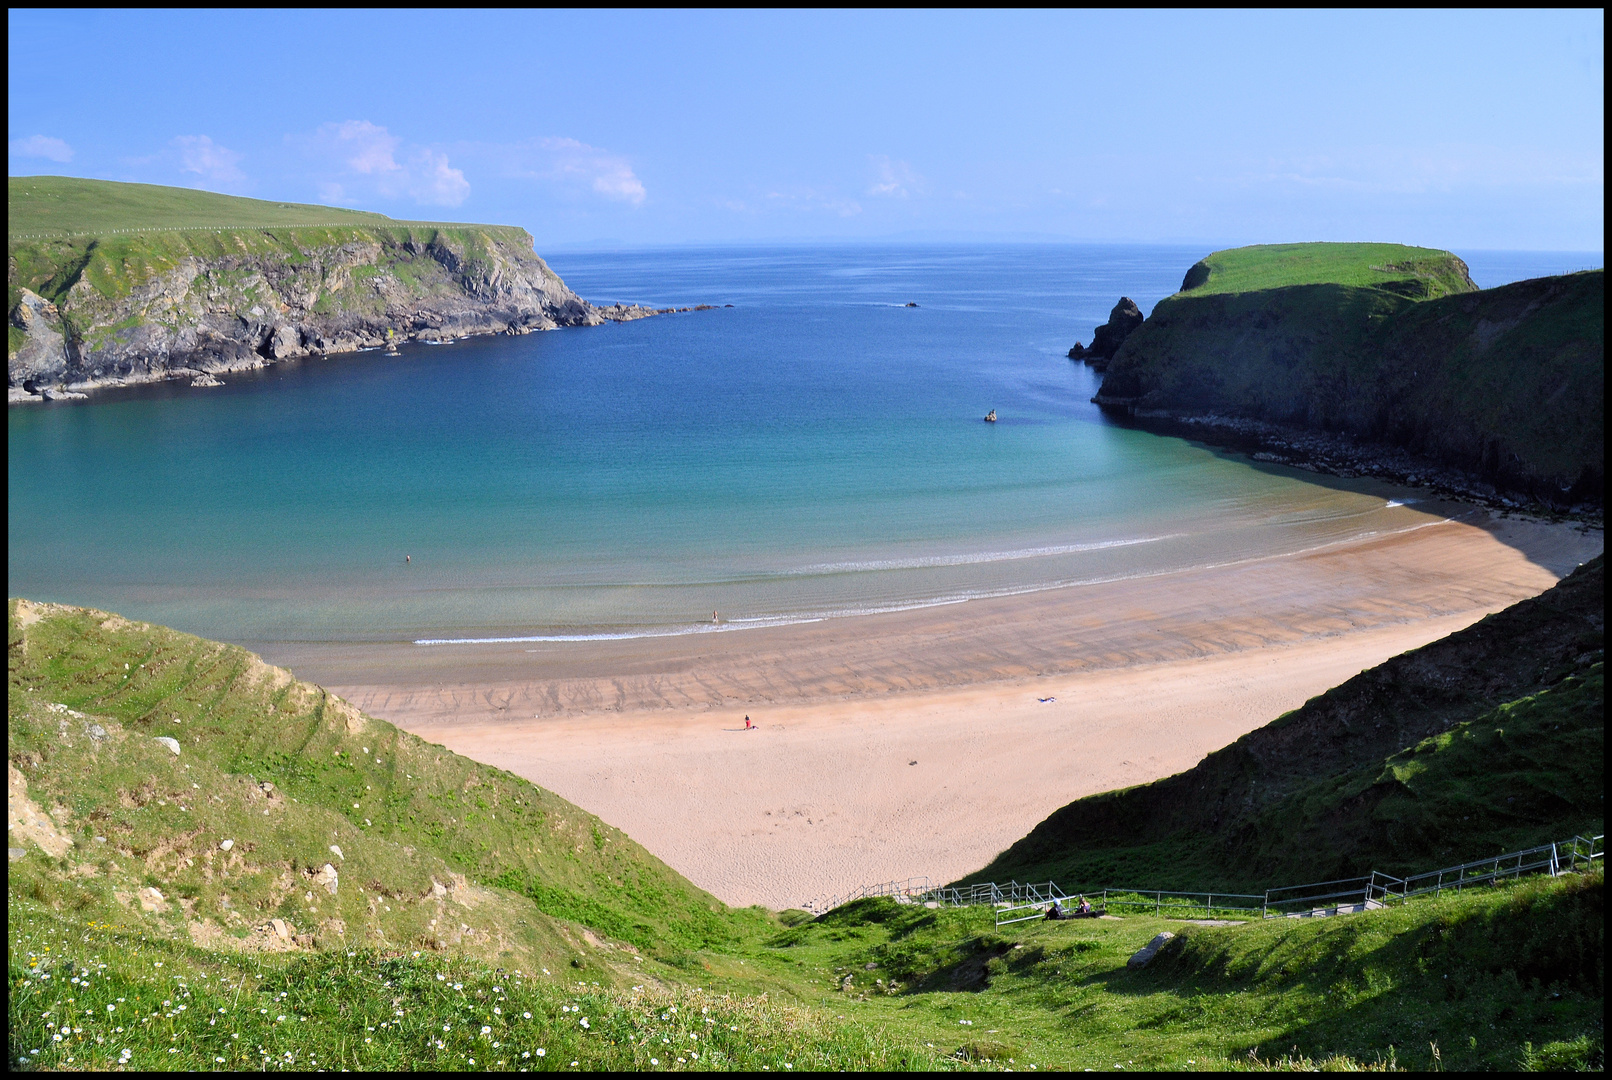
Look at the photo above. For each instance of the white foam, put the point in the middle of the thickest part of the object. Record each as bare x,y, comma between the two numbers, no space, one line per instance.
762,621
972,558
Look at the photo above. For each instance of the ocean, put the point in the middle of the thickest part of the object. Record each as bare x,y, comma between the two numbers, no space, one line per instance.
815,451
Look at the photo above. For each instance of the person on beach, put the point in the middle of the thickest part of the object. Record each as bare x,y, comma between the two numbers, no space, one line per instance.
747,725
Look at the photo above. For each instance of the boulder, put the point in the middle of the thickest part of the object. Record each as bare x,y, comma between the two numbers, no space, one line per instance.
225,845
1141,957
170,743
326,877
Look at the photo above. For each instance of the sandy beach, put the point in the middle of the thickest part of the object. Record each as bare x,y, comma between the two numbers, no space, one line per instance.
918,743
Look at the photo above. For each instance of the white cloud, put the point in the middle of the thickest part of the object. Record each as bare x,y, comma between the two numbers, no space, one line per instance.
200,155
568,162
894,178
367,160
41,146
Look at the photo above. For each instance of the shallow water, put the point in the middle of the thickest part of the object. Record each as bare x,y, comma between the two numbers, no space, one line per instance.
814,451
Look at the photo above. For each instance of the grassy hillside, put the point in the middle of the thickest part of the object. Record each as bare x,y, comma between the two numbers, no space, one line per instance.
1503,383
286,771
39,206
175,912
1503,978
1486,741
1416,273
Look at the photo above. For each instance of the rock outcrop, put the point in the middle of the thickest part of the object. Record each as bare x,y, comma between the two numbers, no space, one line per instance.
1505,384
96,312
1107,339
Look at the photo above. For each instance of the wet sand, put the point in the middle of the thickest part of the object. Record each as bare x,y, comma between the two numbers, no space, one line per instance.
1148,676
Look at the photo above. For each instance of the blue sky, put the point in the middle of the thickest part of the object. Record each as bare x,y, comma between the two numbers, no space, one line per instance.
1478,130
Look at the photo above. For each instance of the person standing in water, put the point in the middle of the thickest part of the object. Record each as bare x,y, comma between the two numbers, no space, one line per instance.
713,617
407,559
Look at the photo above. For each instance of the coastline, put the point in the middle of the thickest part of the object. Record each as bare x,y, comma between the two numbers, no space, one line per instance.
1335,454
823,798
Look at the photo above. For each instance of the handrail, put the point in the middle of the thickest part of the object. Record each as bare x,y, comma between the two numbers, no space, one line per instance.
1373,890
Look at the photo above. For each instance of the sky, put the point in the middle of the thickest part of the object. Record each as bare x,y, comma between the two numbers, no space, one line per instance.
1473,130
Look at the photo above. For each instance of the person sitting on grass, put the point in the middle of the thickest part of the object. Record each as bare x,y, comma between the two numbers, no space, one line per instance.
1055,912
1085,906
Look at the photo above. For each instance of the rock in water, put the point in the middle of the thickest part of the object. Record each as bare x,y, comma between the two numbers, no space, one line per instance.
1149,951
1107,339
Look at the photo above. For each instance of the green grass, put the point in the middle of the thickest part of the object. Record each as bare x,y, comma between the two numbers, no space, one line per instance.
1501,977
118,237
468,898
39,206
1416,273
405,812
90,995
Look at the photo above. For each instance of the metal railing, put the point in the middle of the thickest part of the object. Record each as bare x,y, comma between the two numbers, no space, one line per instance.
901,891
1561,857
1318,898
1378,889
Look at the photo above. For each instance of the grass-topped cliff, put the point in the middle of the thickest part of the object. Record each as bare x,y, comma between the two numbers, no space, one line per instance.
47,206
1389,344
1412,272
109,283
302,886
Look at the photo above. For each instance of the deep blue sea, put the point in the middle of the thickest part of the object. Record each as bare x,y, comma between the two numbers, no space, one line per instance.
816,450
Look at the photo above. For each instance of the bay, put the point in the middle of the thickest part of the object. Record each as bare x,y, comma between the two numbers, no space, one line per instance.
816,450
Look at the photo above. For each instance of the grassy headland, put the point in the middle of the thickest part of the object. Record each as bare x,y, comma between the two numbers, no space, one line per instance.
1412,272
109,284
1388,344
39,206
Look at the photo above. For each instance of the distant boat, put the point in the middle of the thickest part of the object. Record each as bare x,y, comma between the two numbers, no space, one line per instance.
990,417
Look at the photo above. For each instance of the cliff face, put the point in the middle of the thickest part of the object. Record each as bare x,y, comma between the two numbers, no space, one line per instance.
1106,339
93,312
1506,383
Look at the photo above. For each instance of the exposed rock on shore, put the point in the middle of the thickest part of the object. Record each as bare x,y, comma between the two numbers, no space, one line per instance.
1107,339
1498,391
194,305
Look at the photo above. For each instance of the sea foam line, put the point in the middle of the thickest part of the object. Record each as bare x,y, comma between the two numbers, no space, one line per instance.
764,621
926,561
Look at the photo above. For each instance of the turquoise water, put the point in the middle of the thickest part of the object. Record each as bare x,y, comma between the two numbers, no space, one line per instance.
814,451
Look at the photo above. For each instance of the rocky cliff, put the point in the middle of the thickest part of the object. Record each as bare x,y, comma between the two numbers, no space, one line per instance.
91,312
1505,384
1107,339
